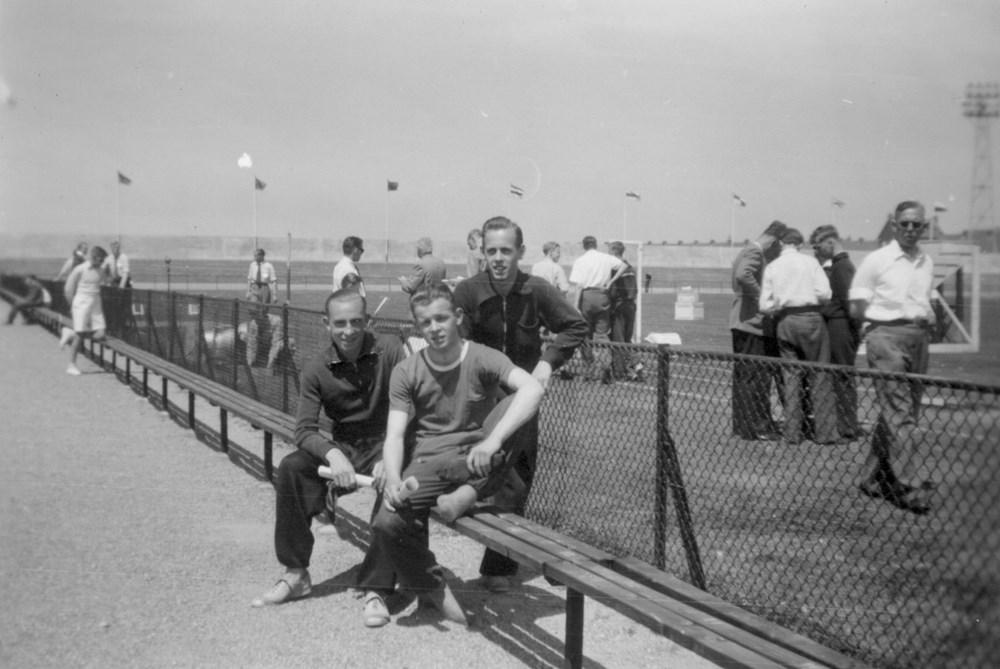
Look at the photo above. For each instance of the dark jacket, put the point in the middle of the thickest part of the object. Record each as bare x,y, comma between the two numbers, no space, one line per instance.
512,325
840,273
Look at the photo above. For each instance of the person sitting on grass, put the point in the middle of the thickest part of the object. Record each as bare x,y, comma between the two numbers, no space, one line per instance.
83,291
454,391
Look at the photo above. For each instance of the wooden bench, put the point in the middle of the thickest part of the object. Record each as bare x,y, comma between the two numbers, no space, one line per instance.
694,619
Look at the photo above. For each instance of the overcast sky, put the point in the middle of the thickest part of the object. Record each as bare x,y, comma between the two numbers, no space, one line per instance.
788,104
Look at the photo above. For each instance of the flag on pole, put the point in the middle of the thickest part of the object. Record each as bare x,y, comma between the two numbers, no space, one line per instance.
838,203
938,207
258,184
392,185
632,193
516,191
739,199
124,180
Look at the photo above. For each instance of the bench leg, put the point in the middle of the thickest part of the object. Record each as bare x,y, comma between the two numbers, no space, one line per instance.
145,382
223,430
128,372
191,409
268,465
574,629
163,393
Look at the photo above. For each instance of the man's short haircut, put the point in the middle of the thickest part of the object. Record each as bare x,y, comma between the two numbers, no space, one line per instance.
776,229
547,247
616,248
351,243
589,242
907,204
474,233
98,251
823,233
425,245
430,292
345,295
792,236
260,251
504,223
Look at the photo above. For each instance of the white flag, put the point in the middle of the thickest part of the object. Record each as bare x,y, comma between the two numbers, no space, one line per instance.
244,162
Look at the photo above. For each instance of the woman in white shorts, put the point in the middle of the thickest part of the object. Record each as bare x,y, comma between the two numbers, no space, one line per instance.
83,291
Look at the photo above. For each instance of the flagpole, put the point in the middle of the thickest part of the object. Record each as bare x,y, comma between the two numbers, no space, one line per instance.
732,225
254,187
387,225
118,210
624,216
288,272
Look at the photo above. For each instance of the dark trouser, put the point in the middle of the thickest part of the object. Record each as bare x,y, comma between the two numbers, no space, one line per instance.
803,336
844,342
23,308
117,305
300,496
752,385
401,535
892,459
513,496
622,329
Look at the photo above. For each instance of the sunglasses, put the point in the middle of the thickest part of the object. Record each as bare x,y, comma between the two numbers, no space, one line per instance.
910,225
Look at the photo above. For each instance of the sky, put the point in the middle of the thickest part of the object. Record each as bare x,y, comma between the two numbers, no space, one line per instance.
790,105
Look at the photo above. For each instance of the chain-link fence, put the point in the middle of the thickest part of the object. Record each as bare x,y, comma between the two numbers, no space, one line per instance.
641,455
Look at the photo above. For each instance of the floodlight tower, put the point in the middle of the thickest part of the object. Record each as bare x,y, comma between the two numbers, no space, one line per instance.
982,105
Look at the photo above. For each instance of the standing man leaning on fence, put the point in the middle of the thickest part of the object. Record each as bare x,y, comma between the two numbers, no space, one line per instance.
792,292
623,294
349,382
892,293
345,272
753,334
428,271
506,309
592,274
845,332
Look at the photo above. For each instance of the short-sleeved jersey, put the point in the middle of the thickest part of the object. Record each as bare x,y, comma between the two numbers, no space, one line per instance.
448,406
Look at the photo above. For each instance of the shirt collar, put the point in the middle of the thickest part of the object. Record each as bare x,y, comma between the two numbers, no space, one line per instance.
367,348
898,252
520,286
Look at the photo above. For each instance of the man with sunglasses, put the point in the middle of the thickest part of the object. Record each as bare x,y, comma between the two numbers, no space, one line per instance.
891,291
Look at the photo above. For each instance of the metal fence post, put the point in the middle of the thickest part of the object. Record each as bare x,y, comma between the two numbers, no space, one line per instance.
668,476
149,321
287,354
200,334
236,337
171,324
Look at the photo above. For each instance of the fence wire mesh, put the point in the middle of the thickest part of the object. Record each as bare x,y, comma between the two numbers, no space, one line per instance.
641,455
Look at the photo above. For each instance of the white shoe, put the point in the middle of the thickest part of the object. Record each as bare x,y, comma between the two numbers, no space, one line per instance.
73,370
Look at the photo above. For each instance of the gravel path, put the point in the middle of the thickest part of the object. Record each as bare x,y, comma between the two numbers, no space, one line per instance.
127,542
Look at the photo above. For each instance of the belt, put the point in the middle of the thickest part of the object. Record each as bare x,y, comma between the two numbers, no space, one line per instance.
810,309
922,322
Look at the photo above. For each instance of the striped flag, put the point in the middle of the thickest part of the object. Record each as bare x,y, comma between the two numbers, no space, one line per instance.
258,184
739,199
516,191
632,193
124,180
838,203
392,185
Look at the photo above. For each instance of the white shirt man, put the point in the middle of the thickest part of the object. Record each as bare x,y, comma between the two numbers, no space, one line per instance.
549,268
345,272
117,267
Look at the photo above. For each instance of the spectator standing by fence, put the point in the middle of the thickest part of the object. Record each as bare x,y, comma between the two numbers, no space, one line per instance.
891,291
506,309
117,267
845,332
345,272
793,289
83,292
349,382
444,404
591,275
549,269
753,334
78,257
623,293
262,280
475,262
428,270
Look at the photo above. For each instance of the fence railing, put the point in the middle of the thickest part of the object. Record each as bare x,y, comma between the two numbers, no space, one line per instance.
647,465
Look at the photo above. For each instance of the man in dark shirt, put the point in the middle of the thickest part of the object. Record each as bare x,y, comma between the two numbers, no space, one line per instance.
623,292
506,309
349,381
35,297
845,332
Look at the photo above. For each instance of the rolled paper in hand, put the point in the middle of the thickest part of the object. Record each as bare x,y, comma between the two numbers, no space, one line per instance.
407,488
